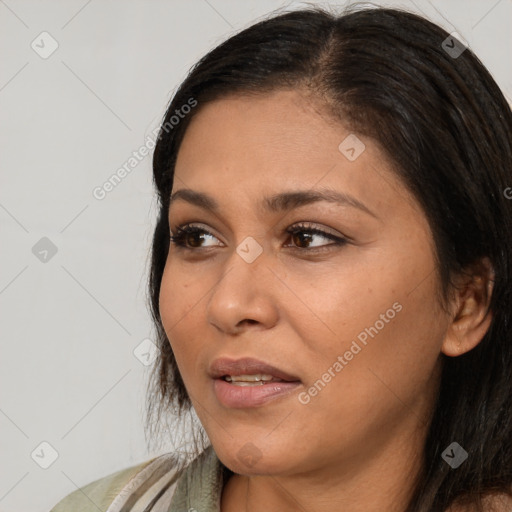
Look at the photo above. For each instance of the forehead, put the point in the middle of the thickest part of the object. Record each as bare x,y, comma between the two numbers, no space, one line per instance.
279,127
239,145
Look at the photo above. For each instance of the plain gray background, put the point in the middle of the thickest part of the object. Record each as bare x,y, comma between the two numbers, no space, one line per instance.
72,319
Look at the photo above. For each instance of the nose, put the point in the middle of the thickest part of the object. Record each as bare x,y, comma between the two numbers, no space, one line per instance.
244,297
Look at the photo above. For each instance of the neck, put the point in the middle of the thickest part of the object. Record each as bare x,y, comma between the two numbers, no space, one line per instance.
384,482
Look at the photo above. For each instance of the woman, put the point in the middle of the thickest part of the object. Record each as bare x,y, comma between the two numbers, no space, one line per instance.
331,275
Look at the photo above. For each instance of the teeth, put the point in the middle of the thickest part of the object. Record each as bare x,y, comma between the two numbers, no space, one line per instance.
247,379
242,383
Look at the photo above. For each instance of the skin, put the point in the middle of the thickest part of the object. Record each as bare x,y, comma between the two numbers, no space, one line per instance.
357,444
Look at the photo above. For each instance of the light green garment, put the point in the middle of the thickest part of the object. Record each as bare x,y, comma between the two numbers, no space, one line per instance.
152,485
98,494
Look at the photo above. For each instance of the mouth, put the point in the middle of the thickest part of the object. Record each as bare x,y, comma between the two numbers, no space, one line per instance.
248,370
249,382
257,379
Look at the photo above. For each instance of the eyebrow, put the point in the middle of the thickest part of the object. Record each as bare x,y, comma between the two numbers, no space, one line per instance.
277,203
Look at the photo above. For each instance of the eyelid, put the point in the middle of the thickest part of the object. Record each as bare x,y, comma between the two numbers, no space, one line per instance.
323,231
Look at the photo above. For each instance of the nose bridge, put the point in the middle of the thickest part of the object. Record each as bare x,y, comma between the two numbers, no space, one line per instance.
245,273
244,291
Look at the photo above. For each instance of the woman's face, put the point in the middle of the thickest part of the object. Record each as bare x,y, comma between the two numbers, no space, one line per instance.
350,316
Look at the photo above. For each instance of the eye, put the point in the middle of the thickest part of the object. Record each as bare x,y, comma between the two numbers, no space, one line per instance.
190,237
297,232
188,232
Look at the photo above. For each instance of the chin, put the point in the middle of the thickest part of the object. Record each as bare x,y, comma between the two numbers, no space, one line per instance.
251,458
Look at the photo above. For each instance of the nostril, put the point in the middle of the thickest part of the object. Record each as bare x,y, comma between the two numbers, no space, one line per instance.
247,321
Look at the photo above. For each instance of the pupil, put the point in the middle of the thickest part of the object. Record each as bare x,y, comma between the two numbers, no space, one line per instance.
302,236
197,237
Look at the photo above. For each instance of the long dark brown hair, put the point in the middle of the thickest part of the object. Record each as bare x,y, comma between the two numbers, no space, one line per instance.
444,122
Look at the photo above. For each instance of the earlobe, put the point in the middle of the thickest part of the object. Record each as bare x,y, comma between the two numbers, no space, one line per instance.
472,317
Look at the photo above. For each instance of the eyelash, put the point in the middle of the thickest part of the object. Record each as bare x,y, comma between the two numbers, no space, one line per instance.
186,229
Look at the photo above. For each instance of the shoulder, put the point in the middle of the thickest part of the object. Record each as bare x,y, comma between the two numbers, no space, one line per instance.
491,503
498,503
112,491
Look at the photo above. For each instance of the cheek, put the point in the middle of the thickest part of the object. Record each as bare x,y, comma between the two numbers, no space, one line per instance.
180,307
340,303
382,298
388,332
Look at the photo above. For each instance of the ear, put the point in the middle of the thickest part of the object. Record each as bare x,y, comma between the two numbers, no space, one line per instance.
471,316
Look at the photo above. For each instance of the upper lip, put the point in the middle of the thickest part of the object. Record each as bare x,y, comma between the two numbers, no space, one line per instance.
247,366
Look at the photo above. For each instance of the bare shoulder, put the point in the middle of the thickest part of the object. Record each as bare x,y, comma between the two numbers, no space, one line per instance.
498,503
491,503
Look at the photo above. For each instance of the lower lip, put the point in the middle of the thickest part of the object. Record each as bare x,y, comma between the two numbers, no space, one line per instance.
231,395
